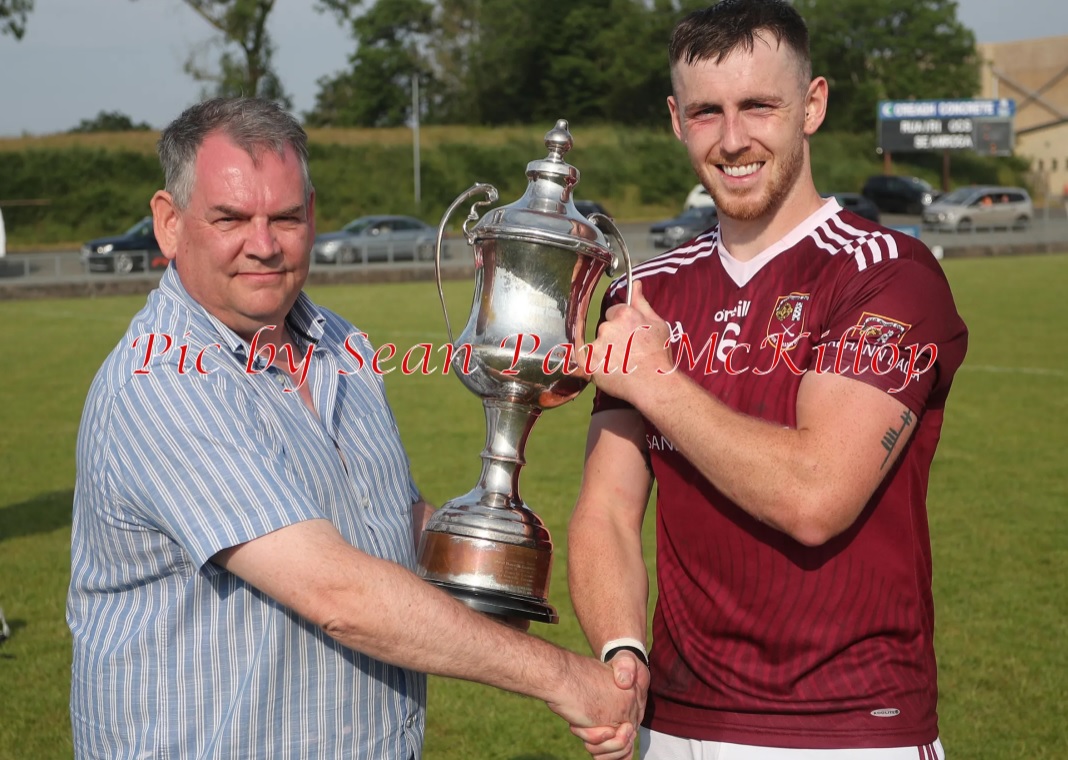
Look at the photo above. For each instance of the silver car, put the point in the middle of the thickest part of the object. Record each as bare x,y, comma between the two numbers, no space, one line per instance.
376,238
982,207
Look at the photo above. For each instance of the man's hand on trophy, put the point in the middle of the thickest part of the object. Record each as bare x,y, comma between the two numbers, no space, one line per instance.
632,349
603,742
602,713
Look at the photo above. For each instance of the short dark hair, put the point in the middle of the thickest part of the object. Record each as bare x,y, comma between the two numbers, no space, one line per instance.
716,31
254,124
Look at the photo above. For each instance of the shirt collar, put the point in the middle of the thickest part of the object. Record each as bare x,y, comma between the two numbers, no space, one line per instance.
306,323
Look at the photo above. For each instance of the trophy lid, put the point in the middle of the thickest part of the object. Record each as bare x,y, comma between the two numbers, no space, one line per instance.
546,213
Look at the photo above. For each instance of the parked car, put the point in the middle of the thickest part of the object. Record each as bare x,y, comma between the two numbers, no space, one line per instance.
135,250
899,195
591,207
985,206
376,238
856,203
697,198
691,222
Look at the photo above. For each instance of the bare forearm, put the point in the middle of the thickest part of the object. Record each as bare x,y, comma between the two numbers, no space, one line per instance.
811,481
766,469
608,579
383,610
390,614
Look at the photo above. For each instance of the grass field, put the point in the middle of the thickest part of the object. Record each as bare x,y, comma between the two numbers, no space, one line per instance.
997,503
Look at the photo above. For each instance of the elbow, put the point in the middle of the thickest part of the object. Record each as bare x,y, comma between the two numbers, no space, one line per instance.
820,518
812,534
337,628
327,609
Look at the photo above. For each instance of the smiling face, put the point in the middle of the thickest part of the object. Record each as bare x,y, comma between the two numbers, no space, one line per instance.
241,245
745,121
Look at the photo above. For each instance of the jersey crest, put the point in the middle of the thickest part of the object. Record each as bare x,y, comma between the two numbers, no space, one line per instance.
788,320
878,330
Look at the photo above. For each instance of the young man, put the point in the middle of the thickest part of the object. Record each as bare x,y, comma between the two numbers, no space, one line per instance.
791,446
245,521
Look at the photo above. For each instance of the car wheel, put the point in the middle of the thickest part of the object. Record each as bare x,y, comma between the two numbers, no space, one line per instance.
124,263
425,252
346,256
1022,223
964,225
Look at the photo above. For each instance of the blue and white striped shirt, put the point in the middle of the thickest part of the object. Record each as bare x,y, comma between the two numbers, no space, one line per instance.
173,656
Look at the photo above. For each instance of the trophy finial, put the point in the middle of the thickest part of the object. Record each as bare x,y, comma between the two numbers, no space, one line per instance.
559,141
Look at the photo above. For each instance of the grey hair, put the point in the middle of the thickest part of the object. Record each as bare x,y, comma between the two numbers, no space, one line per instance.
253,124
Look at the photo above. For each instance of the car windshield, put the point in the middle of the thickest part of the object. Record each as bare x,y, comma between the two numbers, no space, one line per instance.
358,225
958,196
921,184
141,228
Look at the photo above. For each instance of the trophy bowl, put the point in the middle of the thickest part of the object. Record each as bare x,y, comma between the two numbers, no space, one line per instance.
537,264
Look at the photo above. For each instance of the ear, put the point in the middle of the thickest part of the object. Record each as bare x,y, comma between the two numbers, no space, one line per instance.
676,121
166,222
815,105
311,214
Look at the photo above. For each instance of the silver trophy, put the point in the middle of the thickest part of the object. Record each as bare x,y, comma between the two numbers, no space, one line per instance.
537,263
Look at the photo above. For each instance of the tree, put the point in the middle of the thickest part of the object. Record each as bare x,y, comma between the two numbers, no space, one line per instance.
13,17
873,50
110,121
501,62
639,78
391,38
241,24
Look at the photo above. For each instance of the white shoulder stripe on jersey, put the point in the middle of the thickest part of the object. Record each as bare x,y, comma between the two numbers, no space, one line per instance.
865,247
849,228
671,261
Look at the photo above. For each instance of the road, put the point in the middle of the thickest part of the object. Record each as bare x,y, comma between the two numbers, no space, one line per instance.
66,266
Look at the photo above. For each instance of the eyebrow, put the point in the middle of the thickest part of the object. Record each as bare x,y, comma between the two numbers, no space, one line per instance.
771,100
235,212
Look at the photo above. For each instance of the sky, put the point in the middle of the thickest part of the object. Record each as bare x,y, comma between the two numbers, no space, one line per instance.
81,57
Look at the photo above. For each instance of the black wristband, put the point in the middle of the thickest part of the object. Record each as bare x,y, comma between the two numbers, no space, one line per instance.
634,650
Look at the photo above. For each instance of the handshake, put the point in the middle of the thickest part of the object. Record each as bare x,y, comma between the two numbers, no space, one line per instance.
603,703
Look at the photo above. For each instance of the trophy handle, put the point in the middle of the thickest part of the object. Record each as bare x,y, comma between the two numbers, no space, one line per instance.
472,216
601,219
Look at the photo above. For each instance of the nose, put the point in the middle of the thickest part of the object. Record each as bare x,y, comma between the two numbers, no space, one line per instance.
262,243
735,139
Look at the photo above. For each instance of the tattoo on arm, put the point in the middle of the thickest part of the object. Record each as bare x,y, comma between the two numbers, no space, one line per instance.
893,436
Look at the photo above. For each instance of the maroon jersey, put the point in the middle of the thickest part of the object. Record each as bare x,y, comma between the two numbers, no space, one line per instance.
758,639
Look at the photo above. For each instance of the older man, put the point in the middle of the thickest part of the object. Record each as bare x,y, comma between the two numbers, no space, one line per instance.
245,520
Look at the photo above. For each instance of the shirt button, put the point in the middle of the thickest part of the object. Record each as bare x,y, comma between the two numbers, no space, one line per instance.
410,722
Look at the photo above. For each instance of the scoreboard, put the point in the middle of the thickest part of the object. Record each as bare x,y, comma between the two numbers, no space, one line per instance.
983,126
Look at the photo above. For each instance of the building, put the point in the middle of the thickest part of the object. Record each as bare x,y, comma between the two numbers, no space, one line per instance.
1034,73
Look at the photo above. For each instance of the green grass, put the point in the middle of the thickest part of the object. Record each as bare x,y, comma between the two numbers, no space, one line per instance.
997,500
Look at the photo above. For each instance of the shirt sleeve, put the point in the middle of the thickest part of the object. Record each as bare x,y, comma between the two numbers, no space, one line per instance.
601,400
190,456
894,326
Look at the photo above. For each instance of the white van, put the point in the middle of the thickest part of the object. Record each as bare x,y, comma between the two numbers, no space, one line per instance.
698,198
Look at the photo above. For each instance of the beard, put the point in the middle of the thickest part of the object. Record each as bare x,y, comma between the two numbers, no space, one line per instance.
760,202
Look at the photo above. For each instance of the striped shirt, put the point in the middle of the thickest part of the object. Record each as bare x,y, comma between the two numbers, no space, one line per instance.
173,656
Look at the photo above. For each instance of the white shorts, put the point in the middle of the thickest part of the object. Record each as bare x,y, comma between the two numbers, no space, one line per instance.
658,746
